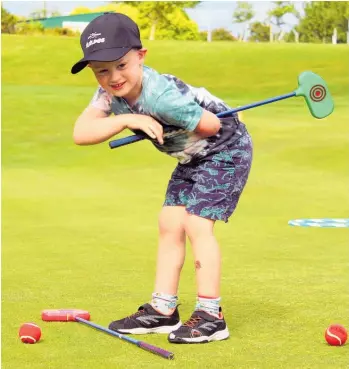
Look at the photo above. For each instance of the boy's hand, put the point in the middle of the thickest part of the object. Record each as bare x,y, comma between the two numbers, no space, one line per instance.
148,125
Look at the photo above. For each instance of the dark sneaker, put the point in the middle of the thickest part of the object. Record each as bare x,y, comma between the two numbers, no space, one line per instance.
201,328
147,320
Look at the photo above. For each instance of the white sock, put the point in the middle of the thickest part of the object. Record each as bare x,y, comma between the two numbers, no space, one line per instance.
164,303
210,305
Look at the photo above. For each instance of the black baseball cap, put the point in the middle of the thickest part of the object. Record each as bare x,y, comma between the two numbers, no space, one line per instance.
106,38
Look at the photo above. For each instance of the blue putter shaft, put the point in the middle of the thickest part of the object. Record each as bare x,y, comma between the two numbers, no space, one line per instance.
146,346
106,330
253,105
134,138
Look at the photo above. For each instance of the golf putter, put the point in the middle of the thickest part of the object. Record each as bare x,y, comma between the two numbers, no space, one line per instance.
310,86
83,316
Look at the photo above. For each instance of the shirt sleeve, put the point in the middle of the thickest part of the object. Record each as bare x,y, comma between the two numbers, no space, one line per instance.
177,109
102,100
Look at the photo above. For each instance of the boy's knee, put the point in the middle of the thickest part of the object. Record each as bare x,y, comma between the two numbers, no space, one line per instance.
196,226
171,223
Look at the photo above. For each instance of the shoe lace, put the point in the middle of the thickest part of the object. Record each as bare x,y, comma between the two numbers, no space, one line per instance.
137,313
192,321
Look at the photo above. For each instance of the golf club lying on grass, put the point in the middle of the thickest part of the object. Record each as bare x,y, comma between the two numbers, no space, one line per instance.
310,85
83,316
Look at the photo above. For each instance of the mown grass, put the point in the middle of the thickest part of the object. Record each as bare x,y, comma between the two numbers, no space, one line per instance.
79,224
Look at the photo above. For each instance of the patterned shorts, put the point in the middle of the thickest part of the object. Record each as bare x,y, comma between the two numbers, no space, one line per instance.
212,188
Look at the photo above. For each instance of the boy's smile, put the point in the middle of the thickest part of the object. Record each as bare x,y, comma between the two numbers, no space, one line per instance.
117,86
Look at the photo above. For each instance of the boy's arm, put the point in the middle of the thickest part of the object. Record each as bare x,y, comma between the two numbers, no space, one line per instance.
209,124
182,111
95,126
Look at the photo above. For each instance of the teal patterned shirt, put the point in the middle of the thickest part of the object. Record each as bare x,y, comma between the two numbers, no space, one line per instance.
177,106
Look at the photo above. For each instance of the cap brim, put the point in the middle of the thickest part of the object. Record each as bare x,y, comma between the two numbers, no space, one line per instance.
100,55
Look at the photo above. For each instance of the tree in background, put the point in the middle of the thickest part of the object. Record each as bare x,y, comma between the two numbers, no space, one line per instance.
260,32
55,13
218,34
277,14
292,36
320,19
221,34
280,10
111,7
171,21
242,14
43,13
81,10
177,26
8,21
156,13
123,8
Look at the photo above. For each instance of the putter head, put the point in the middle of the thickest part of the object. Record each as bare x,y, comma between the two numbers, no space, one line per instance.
316,93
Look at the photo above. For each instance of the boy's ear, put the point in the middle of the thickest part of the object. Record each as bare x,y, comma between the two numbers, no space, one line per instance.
89,65
141,54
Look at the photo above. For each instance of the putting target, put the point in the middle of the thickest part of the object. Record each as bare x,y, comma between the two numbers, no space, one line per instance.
321,223
317,93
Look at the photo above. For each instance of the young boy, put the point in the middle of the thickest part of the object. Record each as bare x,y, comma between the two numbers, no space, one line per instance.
214,162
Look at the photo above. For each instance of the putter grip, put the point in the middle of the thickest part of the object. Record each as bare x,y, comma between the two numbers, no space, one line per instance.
156,350
126,140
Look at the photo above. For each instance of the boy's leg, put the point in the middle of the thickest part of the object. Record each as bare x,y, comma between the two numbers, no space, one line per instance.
161,315
171,251
207,255
207,322
219,182
172,237
170,260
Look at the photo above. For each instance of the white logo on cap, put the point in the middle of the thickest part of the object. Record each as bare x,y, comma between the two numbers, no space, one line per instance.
95,41
93,35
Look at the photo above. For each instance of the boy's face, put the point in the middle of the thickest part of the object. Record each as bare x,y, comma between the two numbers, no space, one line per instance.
123,77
